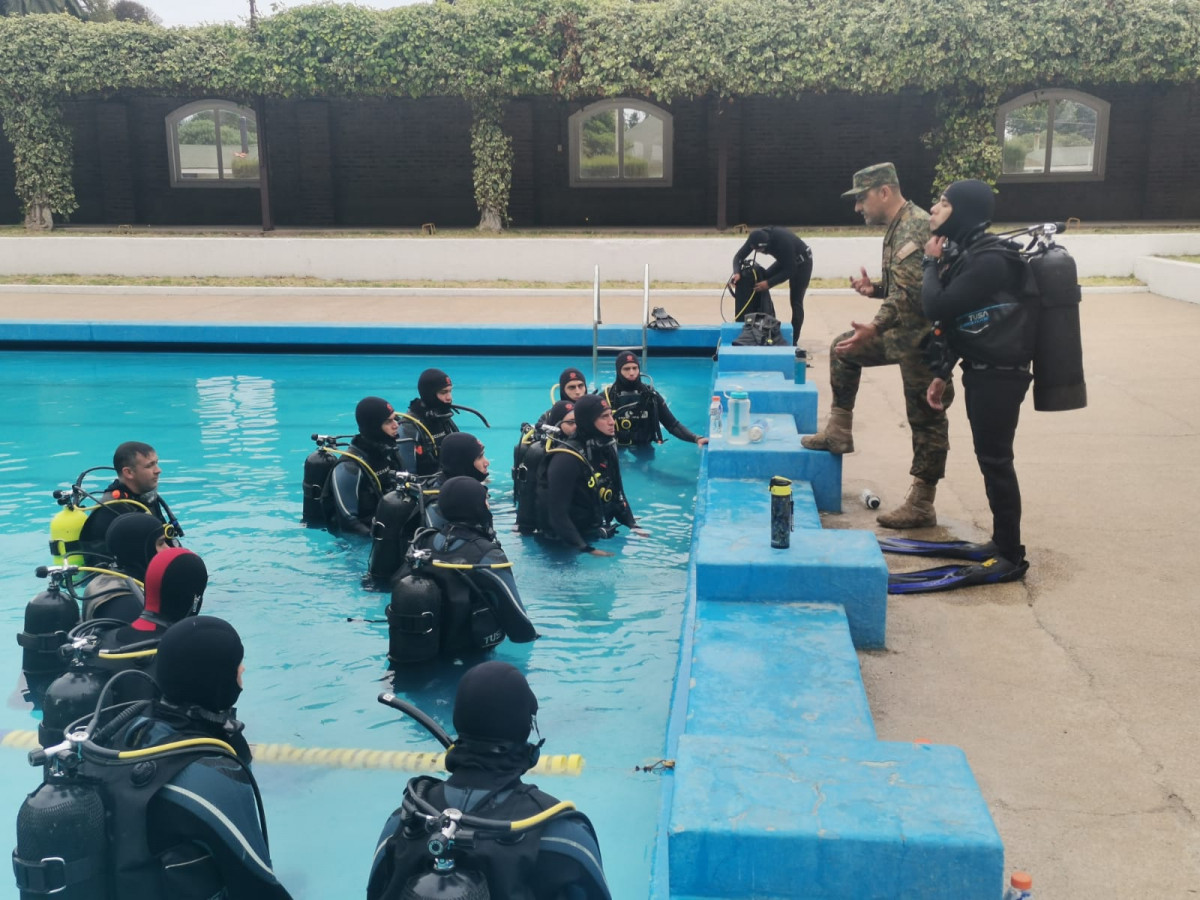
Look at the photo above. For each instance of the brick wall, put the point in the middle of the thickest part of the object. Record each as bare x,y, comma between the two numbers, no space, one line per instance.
400,163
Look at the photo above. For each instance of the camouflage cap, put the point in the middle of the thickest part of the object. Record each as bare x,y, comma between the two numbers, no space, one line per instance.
873,177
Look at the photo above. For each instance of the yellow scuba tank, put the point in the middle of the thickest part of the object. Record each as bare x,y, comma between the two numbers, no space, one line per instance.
65,529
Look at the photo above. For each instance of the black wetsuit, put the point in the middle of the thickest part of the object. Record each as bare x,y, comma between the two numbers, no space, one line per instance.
793,264
422,430
977,300
354,493
559,860
641,413
201,853
580,492
152,501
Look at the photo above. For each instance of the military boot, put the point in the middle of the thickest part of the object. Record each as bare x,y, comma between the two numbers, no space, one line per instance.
837,437
916,511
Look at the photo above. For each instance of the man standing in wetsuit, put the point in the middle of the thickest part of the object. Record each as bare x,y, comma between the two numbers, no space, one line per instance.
893,337
793,264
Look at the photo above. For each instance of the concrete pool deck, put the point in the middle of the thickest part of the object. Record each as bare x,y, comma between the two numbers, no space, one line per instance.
1073,693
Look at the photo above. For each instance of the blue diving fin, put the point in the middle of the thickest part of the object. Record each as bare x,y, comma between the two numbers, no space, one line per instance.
994,570
941,549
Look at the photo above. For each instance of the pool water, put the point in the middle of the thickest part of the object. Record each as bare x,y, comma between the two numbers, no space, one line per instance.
232,433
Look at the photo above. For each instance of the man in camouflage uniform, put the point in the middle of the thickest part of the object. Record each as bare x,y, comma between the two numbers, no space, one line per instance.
893,337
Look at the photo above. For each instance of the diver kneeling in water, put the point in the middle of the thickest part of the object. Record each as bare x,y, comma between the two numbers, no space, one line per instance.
365,472
640,411
132,539
492,848
456,592
157,801
579,492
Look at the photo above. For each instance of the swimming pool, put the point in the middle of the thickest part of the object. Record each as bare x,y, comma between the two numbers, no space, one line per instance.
232,432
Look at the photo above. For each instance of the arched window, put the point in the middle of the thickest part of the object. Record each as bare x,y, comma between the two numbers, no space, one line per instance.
621,143
213,143
1053,135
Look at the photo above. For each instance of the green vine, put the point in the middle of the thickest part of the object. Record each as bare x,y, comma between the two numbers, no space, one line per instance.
970,54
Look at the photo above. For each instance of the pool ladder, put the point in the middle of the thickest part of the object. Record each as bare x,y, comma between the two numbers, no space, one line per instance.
597,321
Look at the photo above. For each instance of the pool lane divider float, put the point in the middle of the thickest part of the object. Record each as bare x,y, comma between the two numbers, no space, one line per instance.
344,757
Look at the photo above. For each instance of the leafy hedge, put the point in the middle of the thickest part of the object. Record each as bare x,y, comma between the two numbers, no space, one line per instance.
970,54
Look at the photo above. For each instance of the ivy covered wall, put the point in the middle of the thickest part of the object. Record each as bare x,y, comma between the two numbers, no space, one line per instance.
969,55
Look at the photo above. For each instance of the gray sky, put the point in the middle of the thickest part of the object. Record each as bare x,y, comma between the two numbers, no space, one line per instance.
195,12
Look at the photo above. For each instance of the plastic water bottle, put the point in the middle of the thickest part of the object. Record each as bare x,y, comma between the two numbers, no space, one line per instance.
870,500
1020,887
739,417
714,417
758,430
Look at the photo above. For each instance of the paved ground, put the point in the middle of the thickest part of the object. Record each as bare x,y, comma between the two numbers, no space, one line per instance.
1074,693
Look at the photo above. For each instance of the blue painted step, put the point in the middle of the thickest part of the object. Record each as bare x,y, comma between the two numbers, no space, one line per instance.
763,671
779,453
772,392
736,562
829,820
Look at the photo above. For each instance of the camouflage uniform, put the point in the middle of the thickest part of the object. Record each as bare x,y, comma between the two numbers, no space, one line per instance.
901,326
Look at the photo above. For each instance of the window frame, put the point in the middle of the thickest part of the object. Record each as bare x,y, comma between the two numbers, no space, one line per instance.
575,132
221,182
1050,96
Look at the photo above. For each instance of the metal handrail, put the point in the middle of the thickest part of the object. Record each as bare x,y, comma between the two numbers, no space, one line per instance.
597,321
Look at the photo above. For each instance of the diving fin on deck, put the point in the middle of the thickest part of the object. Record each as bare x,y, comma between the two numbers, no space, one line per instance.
994,570
941,549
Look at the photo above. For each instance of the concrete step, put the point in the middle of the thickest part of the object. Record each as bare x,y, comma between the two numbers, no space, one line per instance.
772,392
776,670
736,562
779,453
762,817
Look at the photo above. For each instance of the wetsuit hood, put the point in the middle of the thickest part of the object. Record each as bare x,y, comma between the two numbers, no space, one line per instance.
588,409
463,501
370,414
494,713
429,383
622,383
131,540
175,583
972,205
559,411
567,376
759,238
197,663
458,454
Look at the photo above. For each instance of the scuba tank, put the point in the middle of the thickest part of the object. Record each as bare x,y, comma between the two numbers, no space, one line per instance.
414,620
49,616
317,466
62,847
65,529
70,697
389,531
1058,382
747,301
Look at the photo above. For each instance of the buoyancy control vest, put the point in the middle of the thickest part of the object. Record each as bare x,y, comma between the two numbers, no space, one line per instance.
636,414
500,864
454,594
746,299
422,431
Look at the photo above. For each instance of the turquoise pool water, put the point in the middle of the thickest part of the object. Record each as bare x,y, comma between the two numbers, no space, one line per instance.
232,433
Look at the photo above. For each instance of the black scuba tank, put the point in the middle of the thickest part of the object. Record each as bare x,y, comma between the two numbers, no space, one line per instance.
390,533
1058,355
70,696
317,466
745,299
414,620
525,486
447,884
48,618
62,848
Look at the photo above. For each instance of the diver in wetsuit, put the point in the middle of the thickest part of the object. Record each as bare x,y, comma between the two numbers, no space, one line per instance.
557,425
579,482
366,471
132,541
428,421
640,411
559,859
137,479
203,825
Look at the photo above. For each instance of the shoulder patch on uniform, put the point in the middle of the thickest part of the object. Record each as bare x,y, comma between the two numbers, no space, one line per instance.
906,250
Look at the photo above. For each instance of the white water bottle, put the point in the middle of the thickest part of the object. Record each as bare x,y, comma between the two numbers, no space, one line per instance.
714,417
739,417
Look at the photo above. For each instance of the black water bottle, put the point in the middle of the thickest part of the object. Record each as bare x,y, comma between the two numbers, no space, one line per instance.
781,512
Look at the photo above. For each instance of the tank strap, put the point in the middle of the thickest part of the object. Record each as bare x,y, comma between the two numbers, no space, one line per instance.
54,874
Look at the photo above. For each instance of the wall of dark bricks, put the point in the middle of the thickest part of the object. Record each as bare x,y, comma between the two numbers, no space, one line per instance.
402,163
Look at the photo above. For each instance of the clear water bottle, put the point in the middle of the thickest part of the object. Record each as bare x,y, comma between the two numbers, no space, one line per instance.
739,417
1020,887
714,417
869,498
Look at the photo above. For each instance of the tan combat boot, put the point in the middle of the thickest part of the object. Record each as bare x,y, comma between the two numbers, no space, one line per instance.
837,437
916,511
